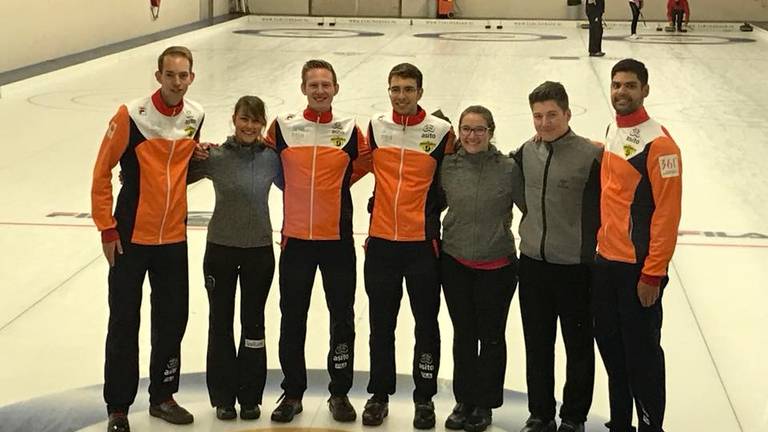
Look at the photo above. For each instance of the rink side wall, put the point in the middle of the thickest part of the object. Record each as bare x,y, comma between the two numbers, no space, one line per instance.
36,31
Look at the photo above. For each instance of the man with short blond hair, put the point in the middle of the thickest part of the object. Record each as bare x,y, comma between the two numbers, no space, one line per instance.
322,155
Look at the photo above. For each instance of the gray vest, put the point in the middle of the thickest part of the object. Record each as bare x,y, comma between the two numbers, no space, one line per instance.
562,193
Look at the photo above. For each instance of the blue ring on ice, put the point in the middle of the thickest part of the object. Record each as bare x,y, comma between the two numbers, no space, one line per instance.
76,409
495,36
312,33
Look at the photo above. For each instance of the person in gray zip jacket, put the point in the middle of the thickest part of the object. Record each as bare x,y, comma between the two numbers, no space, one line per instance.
561,173
239,245
478,265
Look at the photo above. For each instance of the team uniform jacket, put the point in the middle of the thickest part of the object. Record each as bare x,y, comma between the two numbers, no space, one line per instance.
641,178
153,144
407,153
317,151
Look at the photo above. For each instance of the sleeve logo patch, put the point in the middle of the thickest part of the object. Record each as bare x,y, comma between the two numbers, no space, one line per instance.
111,131
669,166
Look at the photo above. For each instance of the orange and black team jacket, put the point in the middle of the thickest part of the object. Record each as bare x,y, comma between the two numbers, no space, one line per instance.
407,153
153,144
641,177
322,155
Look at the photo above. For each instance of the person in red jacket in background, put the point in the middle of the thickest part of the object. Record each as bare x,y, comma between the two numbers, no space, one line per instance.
675,11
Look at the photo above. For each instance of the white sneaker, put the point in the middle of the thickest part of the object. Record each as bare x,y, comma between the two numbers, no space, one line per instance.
634,36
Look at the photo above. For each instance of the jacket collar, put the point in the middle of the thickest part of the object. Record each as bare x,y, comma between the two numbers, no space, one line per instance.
632,119
232,143
316,117
492,151
160,105
409,120
567,133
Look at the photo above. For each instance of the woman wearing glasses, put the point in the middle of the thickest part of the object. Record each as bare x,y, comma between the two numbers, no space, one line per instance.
479,266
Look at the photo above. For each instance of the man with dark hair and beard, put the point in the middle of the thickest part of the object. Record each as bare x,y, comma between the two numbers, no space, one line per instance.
641,188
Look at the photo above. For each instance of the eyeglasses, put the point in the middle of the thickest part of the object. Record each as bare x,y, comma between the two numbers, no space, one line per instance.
478,130
404,90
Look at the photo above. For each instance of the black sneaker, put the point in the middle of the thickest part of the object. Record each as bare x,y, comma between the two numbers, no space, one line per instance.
171,412
118,422
341,409
287,409
458,416
226,413
424,415
374,412
608,425
250,413
570,426
535,424
478,420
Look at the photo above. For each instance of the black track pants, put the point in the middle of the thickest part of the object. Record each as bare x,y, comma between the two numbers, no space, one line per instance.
628,336
237,373
169,279
478,302
387,263
299,261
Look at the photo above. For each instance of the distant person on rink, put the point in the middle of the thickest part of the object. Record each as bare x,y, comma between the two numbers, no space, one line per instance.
635,6
677,12
152,139
595,10
239,247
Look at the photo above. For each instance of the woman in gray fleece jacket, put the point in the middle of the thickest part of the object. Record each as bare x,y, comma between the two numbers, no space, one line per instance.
239,246
479,266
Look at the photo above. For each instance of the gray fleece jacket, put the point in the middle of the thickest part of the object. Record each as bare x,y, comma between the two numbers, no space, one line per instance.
242,176
480,190
562,199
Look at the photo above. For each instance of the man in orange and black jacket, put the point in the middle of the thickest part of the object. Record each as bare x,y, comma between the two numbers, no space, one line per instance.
641,182
322,154
408,147
152,139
